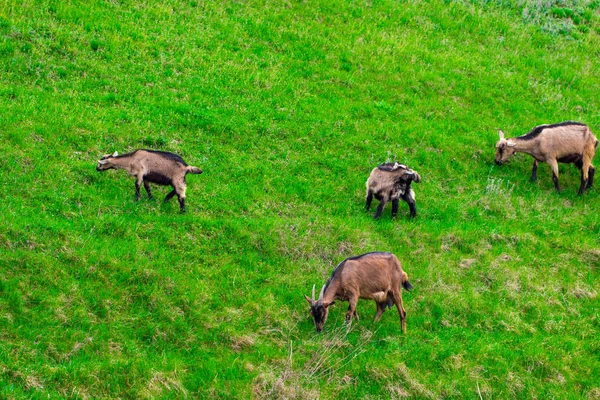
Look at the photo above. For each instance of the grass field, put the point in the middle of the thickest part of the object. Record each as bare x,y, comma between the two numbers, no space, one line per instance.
287,106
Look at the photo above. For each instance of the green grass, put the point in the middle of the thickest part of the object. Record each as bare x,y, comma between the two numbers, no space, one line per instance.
287,106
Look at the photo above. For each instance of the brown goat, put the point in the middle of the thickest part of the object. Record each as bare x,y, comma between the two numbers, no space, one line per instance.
392,181
376,276
566,142
158,167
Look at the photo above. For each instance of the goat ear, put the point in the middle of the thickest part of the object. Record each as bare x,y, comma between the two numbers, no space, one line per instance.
308,299
116,153
328,304
102,162
501,134
511,144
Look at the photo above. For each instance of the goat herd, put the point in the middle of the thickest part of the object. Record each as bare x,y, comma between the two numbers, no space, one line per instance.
378,276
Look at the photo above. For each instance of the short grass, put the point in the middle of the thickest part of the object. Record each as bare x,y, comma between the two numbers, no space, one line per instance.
287,106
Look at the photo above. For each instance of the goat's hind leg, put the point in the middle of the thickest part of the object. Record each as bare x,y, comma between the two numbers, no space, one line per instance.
409,197
181,196
585,167
591,173
395,203
401,311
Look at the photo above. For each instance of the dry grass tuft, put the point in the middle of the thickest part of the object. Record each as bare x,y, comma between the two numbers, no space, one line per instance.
332,353
416,387
584,293
239,343
162,384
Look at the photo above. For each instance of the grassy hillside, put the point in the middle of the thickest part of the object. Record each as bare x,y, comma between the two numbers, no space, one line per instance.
287,106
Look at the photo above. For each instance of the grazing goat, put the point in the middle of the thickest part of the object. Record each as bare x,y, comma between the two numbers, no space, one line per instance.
567,142
392,181
158,167
377,276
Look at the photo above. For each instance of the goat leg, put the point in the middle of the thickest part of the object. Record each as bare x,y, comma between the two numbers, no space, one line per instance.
351,309
170,195
380,209
401,311
148,190
534,171
409,197
380,310
137,190
369,200
554,166
395,203
583,184
590,182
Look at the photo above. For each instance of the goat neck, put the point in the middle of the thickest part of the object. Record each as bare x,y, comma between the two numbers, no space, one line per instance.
121,162
531,146
329,292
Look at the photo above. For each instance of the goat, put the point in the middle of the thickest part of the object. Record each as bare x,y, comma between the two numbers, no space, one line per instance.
566,142
377,276
160,167
392,181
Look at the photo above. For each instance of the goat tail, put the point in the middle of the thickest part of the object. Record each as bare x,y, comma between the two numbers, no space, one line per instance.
405,283
193,170
417,178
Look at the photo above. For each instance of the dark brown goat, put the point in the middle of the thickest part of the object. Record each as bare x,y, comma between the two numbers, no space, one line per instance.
376,276
567,142
160,167
392,181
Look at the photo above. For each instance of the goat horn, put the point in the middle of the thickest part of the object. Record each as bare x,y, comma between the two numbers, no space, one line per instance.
501,134
321,294
313,293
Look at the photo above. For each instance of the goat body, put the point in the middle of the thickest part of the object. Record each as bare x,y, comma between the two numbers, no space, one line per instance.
566,142
376,276
392,181
159,167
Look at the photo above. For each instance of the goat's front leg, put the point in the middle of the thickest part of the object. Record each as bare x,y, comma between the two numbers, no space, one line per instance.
380,208
554,166
534,170
138,184
351,309
369,200
380,310
148,190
